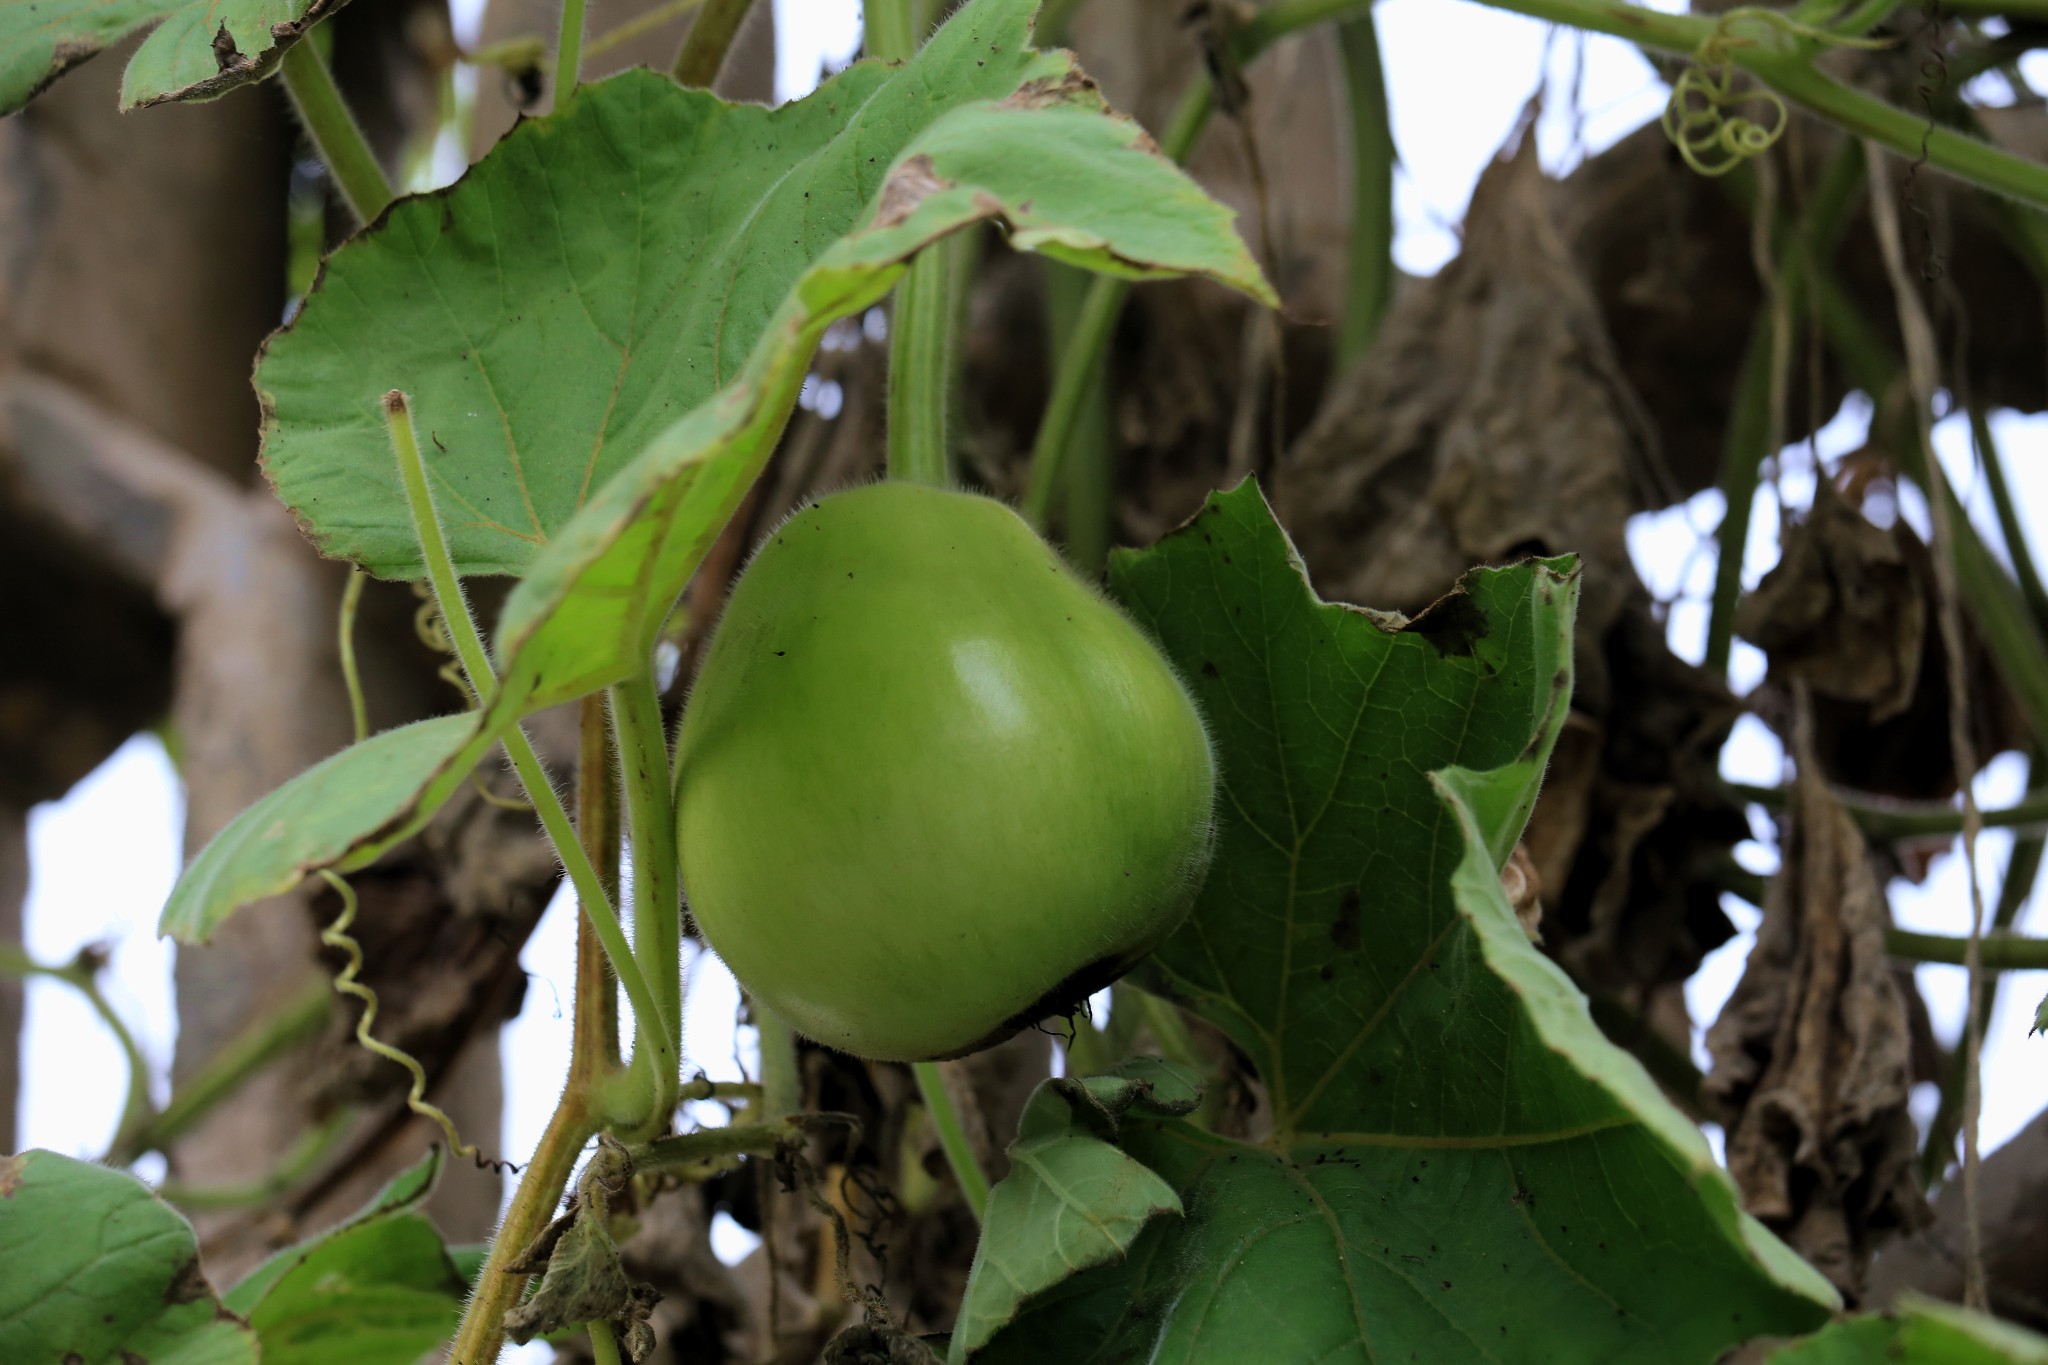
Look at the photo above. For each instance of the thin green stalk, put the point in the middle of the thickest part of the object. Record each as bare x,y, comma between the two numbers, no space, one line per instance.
1371,285
351,678
263,1041
657,900
82,975
343,149
2001,952
476,665
921,351
1091,480
782,1087
569,52
952,1136
1080,370
312,1147
2017,548
1886,821
708,1145
702,55
604,1348
640,23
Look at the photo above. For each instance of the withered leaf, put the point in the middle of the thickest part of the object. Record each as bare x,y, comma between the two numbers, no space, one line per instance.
1812,1056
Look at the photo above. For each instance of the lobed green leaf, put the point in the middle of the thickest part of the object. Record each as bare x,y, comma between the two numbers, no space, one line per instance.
1461,1167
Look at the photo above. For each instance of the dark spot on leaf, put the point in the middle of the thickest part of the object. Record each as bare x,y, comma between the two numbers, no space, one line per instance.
1328,973
188,1285
1209,669
1344,929
779,653
1453,624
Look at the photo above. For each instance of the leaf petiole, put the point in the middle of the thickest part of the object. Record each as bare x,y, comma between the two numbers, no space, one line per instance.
476,664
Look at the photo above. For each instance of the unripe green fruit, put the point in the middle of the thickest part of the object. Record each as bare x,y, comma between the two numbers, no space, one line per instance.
932,786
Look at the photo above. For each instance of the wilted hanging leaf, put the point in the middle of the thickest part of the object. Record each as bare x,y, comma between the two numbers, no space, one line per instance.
1812,1056
1848,612
1844,610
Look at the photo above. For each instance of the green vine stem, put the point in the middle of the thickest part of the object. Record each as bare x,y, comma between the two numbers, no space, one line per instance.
922,318
593,1062
334,130
702,55
931,1084
891,29
782,1087
482,1334
345,646
1370,288
569,52
632,28
2001,952
476,664
262,1042
657,900
1091,481
82,975
2017,548
711,1147
921,350
604,1348
1891,820
311,1148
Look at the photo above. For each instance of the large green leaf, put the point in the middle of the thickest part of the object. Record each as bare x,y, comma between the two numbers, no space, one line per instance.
1920,1332
95,1269
381,1289
1461,1167
1071,1200
605,324
341,813
201,48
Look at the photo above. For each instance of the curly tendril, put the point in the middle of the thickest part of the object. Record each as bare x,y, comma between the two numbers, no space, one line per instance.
336,936
1699,118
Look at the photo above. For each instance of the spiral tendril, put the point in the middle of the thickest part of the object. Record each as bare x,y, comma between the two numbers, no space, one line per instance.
1699,118
336,936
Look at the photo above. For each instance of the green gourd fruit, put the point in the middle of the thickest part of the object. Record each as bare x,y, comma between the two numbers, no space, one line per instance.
932,787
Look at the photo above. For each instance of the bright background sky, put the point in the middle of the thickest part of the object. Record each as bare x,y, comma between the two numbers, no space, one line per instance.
104,858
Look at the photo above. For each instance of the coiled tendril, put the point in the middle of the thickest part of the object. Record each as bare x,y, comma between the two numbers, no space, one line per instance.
1699,118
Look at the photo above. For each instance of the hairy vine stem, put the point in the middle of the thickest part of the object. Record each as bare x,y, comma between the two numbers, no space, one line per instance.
593,1066
334,130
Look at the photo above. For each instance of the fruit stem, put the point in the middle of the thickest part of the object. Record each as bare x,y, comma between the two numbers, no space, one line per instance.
931,1083
921,367
476,665
782,1086
604,1348
657,903
921,321
334,131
